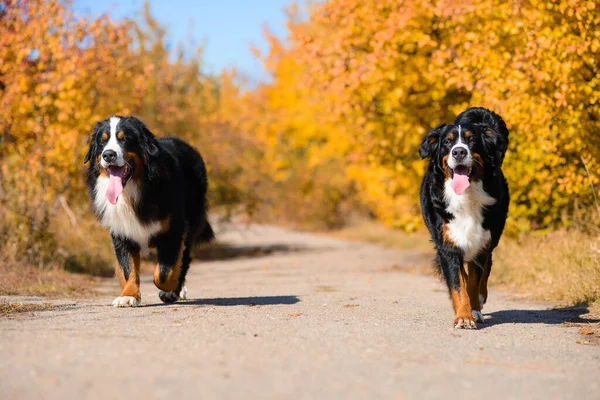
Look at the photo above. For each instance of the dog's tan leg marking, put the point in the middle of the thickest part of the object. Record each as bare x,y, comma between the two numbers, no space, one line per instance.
172,279
120,276
463,316
130,293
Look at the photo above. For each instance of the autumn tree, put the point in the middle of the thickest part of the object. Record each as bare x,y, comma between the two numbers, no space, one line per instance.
60,73
54,74
383,73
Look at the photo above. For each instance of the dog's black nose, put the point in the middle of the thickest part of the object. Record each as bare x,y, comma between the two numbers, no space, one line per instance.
109,155
459,153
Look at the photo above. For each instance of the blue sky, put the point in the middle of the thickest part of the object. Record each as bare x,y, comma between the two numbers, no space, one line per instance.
227,27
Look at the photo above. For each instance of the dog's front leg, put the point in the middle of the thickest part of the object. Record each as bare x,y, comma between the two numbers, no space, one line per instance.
128,272
453,269
478,273
168,269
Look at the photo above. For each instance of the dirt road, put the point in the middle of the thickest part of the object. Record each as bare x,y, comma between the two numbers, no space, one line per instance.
300,317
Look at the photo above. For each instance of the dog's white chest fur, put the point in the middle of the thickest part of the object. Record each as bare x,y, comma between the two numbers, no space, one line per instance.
120,218
465,230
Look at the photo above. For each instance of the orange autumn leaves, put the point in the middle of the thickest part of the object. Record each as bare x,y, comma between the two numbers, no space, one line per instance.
60,73
53,75
355,86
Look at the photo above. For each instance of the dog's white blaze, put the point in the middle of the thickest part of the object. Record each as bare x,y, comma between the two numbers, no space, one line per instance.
112,143
121,218
465,229
468,160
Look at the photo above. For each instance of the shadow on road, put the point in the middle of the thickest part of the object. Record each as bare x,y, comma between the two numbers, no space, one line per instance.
554,316
224,251
236,301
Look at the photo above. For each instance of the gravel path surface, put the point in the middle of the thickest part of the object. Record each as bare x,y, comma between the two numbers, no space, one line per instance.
301,316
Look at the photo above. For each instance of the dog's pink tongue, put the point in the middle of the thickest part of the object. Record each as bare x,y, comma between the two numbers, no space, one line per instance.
460,183
115,184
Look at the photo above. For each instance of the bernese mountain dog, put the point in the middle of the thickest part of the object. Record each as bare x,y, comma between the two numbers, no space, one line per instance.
464,201
147,192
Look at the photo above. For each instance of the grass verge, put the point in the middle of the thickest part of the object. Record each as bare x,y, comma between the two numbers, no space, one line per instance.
377,233
78,245
11,309
86,247
30,281
562,267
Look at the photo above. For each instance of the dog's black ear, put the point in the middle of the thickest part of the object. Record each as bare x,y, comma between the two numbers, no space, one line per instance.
430,142
496,144
152,147
147,138
92,148
150,142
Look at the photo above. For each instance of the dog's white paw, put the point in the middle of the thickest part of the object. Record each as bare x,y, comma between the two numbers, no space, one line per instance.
464,323
168,297
183,293
126,301
478,316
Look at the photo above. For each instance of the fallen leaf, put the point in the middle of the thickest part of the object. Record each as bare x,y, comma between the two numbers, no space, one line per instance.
586,331
325,288
351,305
295,314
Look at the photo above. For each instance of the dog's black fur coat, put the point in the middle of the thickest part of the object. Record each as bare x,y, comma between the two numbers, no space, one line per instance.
172,181
489,139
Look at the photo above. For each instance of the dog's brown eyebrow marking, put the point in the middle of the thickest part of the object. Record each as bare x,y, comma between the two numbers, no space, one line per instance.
451,136
467,134
120,135
104,136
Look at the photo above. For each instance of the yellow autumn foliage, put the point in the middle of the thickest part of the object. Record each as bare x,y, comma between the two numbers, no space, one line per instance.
376,75
355,86
60,73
